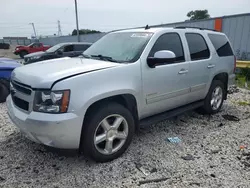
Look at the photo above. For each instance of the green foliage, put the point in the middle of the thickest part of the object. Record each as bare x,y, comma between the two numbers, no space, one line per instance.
241,80
198,15
243,103
84,31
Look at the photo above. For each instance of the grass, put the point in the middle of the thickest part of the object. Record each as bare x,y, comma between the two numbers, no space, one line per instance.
243,103
241,81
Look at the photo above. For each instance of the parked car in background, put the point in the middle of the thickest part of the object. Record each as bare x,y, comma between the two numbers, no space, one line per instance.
6,67
33,47
125,80
60,50
4,46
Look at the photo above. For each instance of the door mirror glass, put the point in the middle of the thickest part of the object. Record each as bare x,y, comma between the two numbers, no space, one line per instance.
160,58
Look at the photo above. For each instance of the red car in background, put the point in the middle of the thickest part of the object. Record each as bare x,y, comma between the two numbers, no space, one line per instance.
33,47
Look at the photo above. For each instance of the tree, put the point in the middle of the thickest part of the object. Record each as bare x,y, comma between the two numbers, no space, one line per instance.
84,31
198,15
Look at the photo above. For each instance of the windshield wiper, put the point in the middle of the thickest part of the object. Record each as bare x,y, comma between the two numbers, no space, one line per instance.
107,58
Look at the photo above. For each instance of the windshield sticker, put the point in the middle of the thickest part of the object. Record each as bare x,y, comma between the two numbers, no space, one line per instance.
143,35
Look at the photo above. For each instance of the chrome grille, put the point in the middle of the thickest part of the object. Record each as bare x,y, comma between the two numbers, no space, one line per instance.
21,95
21,88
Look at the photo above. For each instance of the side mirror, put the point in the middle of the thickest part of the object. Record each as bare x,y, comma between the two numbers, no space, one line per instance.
160,58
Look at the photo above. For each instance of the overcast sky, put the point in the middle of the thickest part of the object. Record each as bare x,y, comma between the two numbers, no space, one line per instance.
15,15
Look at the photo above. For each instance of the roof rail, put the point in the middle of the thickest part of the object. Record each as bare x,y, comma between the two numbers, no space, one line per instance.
200,28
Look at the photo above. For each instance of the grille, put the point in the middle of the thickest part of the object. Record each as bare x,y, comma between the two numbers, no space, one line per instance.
21,89
20,103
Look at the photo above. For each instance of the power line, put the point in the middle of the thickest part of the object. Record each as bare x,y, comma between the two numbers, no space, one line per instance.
33,25
59,28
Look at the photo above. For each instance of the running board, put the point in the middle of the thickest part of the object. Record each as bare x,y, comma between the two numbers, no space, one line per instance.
171,113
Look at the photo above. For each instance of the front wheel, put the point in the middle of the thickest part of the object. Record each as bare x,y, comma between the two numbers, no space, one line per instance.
107,132
215,98
4,92
23,53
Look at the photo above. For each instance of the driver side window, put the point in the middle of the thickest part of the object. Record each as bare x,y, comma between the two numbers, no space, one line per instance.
171,42
69,48
36,45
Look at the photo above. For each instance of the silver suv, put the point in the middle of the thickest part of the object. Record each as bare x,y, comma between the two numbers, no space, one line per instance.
125,80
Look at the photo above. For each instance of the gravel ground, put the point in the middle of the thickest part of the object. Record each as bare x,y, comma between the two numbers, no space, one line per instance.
9,53
208,155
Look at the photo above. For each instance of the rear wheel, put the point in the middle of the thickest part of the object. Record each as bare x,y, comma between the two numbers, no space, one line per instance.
4,92
23,53
107,132
215,98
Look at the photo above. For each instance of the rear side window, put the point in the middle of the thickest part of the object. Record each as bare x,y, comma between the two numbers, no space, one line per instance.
81,47
221,45
197,46
169,41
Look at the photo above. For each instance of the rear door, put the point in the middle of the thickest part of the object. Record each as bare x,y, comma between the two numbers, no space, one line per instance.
201,63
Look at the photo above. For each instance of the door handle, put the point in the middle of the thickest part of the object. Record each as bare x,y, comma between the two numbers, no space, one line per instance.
183,71
210,66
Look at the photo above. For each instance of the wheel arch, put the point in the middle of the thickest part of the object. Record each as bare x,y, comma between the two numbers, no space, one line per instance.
127,100
223,77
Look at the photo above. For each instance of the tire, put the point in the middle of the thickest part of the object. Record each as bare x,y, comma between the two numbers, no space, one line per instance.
4,91
93,128
214,107
23,53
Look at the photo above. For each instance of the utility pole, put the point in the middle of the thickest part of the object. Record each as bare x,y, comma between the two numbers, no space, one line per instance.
77,26
59,28
33,25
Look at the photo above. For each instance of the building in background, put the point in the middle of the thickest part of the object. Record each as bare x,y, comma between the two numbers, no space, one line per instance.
236,27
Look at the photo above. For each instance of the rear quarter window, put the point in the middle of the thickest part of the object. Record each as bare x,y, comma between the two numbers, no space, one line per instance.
221,45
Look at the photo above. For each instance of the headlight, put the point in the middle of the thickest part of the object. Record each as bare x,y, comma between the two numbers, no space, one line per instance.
17,48
51,101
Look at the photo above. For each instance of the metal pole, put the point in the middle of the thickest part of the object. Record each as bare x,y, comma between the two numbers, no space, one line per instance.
33,25
77,26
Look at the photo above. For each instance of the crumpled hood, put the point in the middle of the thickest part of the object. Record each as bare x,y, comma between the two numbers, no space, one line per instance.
43,74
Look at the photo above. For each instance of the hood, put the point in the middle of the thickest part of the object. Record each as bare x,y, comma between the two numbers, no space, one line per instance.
19,46
6,63
34,54
44,73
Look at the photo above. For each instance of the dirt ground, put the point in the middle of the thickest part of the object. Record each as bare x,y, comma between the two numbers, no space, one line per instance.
9,53
208,155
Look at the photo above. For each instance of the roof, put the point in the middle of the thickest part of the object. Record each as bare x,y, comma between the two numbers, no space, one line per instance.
68,43
158,29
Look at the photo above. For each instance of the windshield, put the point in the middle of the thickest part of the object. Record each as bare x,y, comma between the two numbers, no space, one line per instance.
120,47
54,48
31,44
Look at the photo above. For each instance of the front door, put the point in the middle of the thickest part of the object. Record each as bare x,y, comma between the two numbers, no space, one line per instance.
37,47
68,51
166,86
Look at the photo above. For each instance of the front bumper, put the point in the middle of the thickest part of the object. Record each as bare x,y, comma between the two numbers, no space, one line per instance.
54,130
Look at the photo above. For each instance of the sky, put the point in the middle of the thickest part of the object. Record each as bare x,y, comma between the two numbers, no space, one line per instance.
15,15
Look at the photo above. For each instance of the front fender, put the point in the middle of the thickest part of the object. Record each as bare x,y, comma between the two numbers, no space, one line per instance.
105,95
